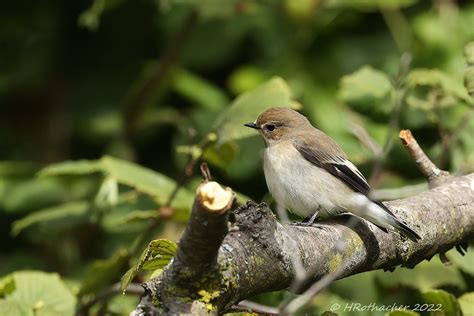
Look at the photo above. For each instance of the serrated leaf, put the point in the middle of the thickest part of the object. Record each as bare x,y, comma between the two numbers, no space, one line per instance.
76,167
247,107
146,181
368,91
104,272
42,294
466,302
62,216
449,306
157,255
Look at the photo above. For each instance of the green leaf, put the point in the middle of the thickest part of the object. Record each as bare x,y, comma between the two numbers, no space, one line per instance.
248,106
62,216
41,293
447,302
141,215
465,263
421,277
211,9
199,90
402,313
146,181
428,85
16,168
368,91
246,78
76,167
32,194
13,308
104,272
157,255
466,301
7,285
371,5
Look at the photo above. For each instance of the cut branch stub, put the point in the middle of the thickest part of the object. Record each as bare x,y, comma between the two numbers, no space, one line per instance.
434,175
196,256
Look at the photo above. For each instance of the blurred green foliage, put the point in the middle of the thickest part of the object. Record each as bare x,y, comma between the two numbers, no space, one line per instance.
107,106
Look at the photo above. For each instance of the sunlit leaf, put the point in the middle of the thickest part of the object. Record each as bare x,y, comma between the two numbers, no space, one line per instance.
246,78
42,294
104,272
146,181
447,303
248,106
466,301
157,255
368,91
7,285
14,308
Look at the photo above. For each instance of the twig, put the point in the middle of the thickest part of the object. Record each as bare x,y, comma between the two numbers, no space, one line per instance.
298,283
261,309
314,289
405,61
425,165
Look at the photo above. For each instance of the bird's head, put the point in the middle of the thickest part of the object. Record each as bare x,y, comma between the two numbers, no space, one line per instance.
276,124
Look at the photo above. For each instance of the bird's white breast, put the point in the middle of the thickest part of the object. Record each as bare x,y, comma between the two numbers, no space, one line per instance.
297,184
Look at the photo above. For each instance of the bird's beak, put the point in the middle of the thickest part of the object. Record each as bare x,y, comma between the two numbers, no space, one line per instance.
252,125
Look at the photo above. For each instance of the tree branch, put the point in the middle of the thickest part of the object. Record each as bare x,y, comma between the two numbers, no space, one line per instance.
225,258
256,255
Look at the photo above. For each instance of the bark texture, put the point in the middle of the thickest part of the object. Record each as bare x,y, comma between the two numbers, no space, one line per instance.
247,251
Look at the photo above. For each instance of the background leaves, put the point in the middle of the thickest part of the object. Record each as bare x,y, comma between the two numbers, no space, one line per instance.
108,106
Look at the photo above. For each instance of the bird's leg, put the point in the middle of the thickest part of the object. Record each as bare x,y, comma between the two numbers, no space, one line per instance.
308,221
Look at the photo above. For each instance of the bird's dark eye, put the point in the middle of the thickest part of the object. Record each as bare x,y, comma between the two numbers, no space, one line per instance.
270,127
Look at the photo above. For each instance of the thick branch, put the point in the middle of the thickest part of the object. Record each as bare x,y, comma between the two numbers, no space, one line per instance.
256,255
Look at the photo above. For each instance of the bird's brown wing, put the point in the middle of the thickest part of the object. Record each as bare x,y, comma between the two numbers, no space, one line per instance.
328,155
325,153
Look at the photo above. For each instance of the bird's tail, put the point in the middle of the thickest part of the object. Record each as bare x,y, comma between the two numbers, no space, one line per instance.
378,214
